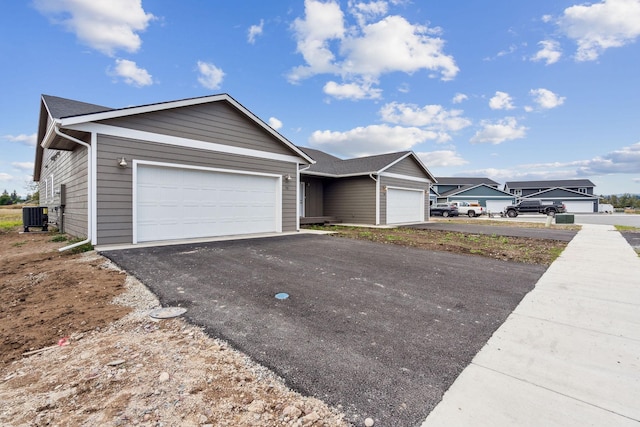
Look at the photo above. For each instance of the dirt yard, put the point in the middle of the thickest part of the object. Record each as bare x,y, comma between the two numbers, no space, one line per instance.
79,349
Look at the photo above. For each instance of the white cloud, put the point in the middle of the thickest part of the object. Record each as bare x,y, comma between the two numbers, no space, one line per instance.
210,76
546,99
394,44
625,160
353,91
550,52
104,26
369,140
275,123
23,166
25,139
255,31
365,12
501,101
600,26
131,73
459,98
323,22
430,117
499,132
366,50
442,158
5,177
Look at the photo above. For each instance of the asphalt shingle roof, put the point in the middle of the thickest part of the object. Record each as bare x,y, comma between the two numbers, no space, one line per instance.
62,107
328,164
461,180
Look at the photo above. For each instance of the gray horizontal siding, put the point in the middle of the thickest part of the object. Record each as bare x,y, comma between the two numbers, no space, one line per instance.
408,166
68,168
401,183
351,200
217,122
114,187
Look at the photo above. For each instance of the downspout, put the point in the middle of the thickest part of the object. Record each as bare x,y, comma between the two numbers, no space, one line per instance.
298,195
377,198
56,129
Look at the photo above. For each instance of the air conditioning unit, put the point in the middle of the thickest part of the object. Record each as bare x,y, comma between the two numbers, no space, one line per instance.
35,216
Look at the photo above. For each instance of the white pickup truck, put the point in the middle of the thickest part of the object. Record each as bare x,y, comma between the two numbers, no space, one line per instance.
469,209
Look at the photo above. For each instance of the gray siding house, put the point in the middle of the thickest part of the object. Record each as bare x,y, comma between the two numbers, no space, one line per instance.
493,199
577,194
191,168
384,189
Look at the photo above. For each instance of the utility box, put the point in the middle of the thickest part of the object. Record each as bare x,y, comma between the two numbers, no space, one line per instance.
564,219
35,216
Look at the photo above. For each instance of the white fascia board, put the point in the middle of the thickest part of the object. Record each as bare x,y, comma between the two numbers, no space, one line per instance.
94,117
49,135
182,142
405,177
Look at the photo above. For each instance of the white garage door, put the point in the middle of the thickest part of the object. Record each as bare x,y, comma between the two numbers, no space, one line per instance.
404,205
497,206
579,206
176,203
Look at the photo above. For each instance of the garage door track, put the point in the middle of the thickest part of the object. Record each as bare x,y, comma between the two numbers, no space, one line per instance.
380,330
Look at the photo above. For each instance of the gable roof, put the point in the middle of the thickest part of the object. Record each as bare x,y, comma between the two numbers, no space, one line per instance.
56,112
461,180
557,192
550,183
458,191
332,166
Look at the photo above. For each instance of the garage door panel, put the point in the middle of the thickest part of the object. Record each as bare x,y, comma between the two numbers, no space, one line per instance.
404,205
175,203
579,206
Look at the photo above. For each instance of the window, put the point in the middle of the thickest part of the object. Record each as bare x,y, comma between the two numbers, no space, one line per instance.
517,192
582,190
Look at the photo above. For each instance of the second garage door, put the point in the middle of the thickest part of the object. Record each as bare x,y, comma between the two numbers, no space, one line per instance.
404,205
178,203
579,206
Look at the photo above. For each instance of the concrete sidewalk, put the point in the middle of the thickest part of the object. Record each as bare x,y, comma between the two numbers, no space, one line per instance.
569,354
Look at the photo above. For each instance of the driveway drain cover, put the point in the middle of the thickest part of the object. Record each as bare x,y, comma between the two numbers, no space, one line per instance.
282,295
167,312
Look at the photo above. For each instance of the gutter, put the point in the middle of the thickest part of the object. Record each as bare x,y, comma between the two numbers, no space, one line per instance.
56,129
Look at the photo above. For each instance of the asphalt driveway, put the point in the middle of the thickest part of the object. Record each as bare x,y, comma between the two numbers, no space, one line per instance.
380,330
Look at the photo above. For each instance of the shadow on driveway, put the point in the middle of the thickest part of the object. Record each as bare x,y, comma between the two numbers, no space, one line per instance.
381,331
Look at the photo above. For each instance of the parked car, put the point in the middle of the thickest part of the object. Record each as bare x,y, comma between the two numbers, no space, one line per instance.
534,206
444,209
471,209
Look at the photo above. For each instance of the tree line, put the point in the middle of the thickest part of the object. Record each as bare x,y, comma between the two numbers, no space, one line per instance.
9,199
626,200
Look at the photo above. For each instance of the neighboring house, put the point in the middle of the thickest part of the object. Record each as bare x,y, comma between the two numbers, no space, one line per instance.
493,199
473,189
191,168
379,190
577,194
448,183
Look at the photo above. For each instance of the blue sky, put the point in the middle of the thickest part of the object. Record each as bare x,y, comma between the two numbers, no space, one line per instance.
511,90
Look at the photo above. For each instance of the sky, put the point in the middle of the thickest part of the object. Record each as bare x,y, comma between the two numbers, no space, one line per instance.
509,90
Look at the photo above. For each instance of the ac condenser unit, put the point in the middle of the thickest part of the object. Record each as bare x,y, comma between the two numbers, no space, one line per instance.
35,216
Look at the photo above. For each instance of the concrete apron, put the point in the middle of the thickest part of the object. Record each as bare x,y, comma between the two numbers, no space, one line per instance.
569,354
